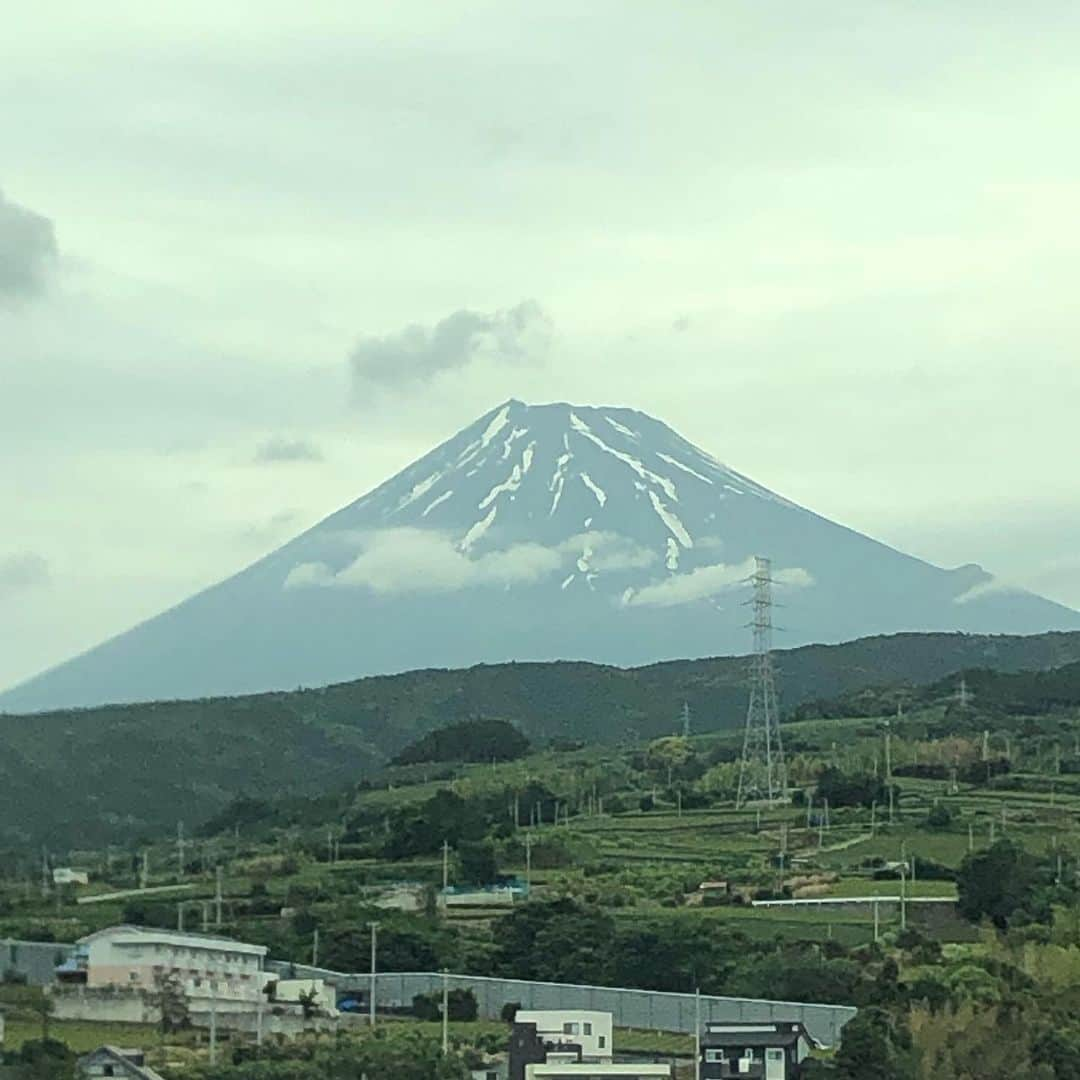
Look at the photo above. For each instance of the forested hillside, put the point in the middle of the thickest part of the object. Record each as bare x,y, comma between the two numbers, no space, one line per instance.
97,774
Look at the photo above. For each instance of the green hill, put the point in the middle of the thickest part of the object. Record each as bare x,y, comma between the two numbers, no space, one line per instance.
117,772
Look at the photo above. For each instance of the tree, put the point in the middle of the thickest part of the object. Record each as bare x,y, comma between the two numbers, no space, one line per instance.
44,1006
469,740
559,940
309,1002
477,861
997,883
170,1000
841,789
669,755
44,1059
875,1044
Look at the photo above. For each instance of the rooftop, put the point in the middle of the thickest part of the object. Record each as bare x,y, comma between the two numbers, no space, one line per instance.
133,935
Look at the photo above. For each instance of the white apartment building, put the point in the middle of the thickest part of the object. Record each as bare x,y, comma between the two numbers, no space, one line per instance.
589,1030
208,967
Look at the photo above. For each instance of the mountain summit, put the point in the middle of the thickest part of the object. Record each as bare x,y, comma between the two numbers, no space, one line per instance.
539,532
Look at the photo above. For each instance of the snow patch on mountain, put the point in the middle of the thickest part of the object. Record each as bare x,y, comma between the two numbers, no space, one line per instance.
679,465
437,502
672,560
601,495
671,521
478,529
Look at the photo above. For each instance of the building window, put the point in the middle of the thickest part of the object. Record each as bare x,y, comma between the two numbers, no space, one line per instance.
570,1029
715,1057
602,1041
587,1029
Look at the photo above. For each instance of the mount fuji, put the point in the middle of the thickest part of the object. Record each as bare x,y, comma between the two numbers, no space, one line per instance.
537,533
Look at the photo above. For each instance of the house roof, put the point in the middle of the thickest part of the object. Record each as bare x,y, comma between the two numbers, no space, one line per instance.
132,935
776,1034
739,1039
125,1057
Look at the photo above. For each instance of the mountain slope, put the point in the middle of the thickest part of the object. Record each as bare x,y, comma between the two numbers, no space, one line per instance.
537,533
98,775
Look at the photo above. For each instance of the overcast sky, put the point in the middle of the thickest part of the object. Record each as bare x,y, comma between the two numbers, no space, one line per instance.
246,249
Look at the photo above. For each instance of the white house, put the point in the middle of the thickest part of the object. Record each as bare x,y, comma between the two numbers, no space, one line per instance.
230,972
591,1031
289,992
569,1044
65,875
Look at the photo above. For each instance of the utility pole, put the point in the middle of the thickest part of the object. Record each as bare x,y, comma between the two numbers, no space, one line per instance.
315,948
445,866
180,845
374,928
44,872
697,1033
686,719
528,860
877,922
213,1021
903,897
217,898
445,1013
888,748
144,877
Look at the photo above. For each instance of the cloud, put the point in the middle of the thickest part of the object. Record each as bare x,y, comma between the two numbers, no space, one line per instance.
24,570
707,581
27,251
278,451
418,353
425,560
992,587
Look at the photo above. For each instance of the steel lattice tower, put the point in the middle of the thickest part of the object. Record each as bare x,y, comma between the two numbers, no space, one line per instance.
762,773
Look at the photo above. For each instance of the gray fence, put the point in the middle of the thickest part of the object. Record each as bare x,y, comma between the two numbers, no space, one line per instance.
34,961
650,1009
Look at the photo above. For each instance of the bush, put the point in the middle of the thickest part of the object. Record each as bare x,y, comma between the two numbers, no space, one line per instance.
460,1005
940,817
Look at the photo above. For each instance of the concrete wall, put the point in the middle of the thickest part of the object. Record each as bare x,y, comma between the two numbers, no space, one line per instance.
123,1005
648,1009
103,1006
34,960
